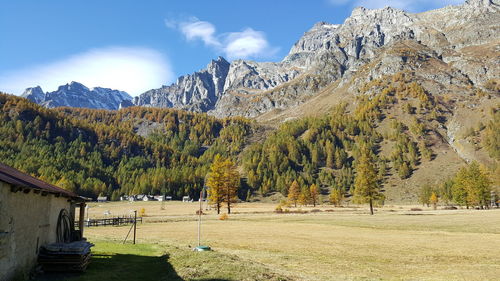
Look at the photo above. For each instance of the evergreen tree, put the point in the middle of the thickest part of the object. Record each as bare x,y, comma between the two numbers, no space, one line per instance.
425,194
366,186
473,186
314,191
294,193
305,196
434,200
216,182
231,184
336,197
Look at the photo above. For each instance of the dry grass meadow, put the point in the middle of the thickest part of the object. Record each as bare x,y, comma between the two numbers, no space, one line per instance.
330,244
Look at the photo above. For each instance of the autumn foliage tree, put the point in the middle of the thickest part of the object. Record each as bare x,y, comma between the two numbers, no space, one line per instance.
294,193
231,184
472,186
223,182
366,186
434,200
305,196
215,183
336,197
314,191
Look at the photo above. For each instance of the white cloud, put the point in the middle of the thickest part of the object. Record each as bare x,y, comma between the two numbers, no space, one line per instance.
409,5
244,44
133,70
248,43
200,30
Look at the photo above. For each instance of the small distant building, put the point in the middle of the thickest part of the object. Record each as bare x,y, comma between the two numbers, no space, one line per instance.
124,198
32,213
159,197
102,199
168,198
186,199
143,197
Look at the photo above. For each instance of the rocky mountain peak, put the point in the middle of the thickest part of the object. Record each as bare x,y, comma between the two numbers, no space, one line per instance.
73,86
481,3
218,66
389,15
35,94
75,94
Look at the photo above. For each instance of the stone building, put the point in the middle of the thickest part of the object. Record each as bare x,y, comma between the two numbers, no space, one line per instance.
33,213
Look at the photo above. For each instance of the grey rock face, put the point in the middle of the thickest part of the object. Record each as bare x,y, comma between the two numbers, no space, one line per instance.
330,52
75,94
198,91
34,94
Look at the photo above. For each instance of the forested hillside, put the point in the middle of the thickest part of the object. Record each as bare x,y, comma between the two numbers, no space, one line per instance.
97,152
150,150
402,124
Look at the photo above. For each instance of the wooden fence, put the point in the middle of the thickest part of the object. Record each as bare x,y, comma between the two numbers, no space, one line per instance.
109,221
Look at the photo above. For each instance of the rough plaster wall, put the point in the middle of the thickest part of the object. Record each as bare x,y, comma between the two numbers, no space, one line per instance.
27,221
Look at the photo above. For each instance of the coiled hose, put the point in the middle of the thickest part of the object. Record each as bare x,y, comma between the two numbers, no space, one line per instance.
64,227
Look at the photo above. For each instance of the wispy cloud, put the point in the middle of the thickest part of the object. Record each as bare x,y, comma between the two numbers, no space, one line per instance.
133,70
200,30
247,43
244,44
408,5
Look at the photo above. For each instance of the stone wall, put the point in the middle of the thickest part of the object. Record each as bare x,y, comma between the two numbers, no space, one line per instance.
27,221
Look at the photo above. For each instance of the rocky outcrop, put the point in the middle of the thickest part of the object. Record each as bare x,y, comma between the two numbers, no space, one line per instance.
75,94
456,46
446,45
198,91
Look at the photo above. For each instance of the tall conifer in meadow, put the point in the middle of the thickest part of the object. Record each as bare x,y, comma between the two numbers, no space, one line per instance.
294,193
366,186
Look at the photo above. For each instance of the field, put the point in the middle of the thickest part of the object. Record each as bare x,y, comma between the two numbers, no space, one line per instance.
325,244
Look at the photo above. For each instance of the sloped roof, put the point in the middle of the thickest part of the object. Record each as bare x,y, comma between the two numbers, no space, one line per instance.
18,178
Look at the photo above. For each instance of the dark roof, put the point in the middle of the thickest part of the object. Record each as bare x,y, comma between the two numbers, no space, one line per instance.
18,178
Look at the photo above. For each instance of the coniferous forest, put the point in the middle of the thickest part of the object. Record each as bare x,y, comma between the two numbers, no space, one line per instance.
96,152
142,150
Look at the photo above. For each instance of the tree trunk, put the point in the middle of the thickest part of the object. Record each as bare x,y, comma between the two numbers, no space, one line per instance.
228,206
218,208
371,207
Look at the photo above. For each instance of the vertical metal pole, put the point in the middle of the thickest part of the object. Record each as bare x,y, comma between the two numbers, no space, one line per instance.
135,224
199,220
81,219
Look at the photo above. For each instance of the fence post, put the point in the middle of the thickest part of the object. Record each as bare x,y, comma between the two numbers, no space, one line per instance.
135,224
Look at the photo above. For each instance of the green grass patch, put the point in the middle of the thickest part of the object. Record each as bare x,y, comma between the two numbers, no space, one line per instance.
115,261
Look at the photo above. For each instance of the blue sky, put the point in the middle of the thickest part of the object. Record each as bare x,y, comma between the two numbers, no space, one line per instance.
138,45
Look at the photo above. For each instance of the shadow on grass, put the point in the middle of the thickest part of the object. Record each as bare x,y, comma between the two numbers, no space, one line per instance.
122,267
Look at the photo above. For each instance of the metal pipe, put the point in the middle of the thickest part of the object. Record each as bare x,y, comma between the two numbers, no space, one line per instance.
135,224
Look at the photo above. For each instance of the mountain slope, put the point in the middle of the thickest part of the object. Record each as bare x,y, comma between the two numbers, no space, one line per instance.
75,94
455,37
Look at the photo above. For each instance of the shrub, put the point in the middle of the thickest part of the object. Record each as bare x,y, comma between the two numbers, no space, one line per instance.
278,209
223,217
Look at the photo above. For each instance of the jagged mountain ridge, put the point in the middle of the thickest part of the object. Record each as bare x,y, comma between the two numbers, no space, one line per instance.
75,94
454,38
329,53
